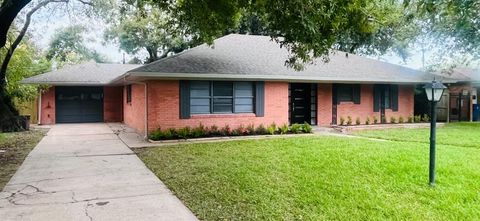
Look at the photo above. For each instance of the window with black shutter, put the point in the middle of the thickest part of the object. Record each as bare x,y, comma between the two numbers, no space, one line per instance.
388,94
348,93
129,93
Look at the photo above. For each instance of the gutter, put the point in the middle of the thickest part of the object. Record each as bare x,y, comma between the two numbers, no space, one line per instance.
146,104
39,111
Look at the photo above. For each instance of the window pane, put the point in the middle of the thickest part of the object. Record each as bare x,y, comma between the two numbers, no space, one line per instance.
243,101
199,89
387,98
200,101
222,105
244,89
345,93
244,105
200,109
222,88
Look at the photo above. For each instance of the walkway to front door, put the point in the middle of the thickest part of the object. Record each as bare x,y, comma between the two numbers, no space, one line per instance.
84,172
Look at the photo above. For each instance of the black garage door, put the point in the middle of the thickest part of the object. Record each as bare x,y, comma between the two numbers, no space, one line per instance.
78,104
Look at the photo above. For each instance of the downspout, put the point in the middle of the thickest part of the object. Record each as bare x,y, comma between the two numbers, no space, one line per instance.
146,104
39,111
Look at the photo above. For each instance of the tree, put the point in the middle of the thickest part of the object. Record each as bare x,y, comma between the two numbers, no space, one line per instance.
139,26
68,47
308,29
9,10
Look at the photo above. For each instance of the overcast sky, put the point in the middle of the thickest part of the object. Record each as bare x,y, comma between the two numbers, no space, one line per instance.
46,21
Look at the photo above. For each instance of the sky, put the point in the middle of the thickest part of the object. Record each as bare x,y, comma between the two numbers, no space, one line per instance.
47,20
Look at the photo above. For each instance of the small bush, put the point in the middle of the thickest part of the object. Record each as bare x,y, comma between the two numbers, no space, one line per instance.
156,135
357,121
184,133
296,128
425,118
307,128
272,129
169,134
418,119
198,131
367,121
261,130
251,129
226,131
410,119
401,120
342,121
383,119
393,120
375,120
242,130
284,129
214,131
349,120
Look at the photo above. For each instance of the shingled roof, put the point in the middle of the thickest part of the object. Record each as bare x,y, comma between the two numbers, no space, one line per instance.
249,57
89,73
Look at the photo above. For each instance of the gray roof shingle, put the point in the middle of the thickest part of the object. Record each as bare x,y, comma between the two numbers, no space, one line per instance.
247,57
89,73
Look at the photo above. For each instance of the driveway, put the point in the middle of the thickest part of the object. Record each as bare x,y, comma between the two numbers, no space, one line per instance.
84,172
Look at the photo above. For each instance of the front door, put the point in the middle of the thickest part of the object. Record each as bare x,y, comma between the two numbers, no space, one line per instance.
300,103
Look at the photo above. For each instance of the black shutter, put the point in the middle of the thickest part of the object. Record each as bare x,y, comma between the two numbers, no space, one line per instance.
394,97
184,100
356,93
260,99
377,93
335,99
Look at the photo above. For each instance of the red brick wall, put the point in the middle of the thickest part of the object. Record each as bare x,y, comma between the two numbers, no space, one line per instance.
48,107
164,108
134,111
365,108
113,104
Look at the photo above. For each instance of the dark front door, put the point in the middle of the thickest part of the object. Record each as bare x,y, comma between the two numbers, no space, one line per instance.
300,103
459,107
78,104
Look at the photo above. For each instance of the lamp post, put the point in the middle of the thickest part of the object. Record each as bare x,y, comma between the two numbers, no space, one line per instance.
434,92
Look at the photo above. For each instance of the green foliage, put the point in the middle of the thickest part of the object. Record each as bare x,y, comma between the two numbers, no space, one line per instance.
184,133
410,119
307,128
342,121
261,130
375,120
367,120
272,129
226,131
251,129
284,129
198,131
425,118
393,120
68,46
401,120
214,130
417,118
349,120
296,128
357,121
306,28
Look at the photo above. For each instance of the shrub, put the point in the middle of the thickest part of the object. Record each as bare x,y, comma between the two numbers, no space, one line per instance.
296,128
241,130
357,121
393,120
169,134
410,119
342,121
284,129
383,119
418,119
261,130
307,128
184,133
226,131
401,120
250,129
198,131
272,129
213,131
349,120
375,120
237,132
156,135
367,121
425,118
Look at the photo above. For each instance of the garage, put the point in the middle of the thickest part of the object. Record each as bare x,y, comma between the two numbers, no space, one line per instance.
79,104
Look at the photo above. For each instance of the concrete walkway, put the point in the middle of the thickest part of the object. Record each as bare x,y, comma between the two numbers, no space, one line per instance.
84,172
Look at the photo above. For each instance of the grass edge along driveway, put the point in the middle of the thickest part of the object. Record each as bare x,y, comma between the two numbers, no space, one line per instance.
319,178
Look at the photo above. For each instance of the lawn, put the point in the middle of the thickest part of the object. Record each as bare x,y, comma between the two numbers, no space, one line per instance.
457,134
14,147
319,178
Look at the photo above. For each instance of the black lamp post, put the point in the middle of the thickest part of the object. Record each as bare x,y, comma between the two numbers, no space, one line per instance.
434,92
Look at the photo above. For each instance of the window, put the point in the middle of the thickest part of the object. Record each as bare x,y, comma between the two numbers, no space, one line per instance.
129,93
388,103
221,97
385,96
345,92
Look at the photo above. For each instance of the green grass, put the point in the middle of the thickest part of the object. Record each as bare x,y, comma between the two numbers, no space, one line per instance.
458,134
319,178
14,148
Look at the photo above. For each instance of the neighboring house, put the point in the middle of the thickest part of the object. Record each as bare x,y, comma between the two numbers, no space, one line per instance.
460,99
240,80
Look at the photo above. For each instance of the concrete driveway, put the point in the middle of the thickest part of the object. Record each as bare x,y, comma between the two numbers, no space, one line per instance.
84,172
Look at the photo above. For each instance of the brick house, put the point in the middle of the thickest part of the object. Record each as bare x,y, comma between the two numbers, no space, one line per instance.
241,80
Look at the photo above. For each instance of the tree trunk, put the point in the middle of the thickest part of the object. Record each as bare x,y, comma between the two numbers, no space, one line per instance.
8,11
9,119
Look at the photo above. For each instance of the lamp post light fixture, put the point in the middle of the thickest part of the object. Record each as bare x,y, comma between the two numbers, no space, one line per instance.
434,92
